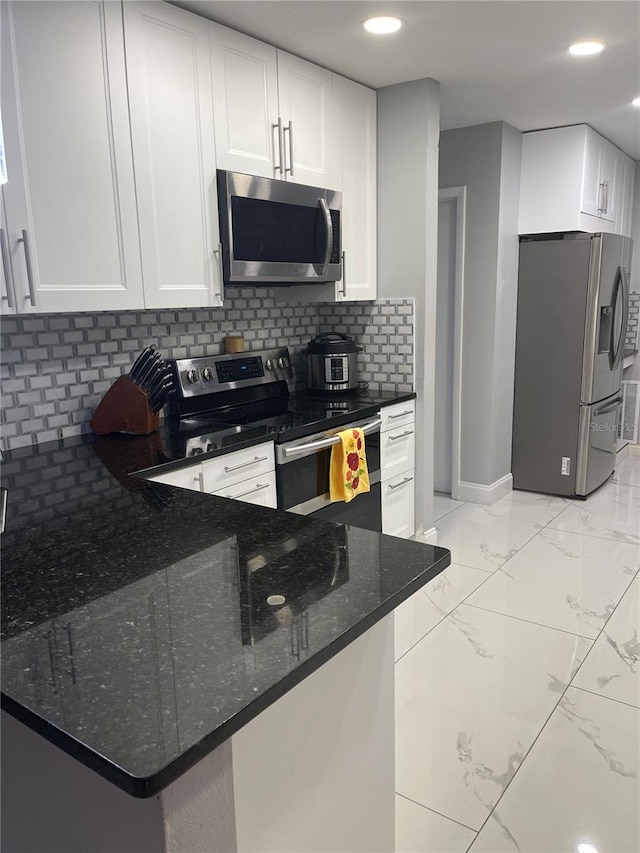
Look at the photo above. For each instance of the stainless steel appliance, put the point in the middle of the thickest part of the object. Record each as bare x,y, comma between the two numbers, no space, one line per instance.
224,399
332,363
274,232
572,317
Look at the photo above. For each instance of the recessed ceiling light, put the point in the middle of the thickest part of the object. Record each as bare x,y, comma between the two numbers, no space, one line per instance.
636,102
586,48
383,24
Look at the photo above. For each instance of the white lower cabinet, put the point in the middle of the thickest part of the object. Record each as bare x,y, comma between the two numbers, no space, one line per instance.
244,475
398,505
259,490
397,461
184,478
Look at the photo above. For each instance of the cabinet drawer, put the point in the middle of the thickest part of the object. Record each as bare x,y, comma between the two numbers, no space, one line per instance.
235,467
398,415
185,478
397,450
260,490
398,505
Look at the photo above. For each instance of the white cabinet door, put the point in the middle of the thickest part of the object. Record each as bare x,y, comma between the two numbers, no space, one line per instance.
245,98
223,471
591,198
169,78
355,133
184,478
305,93
70,198
398,505
598,183
625,180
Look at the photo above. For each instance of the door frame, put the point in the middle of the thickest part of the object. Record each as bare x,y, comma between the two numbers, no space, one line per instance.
459,196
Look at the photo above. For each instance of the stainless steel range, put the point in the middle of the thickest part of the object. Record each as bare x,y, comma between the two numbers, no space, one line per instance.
224,399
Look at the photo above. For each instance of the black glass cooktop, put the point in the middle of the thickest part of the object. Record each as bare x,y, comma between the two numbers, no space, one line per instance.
283,419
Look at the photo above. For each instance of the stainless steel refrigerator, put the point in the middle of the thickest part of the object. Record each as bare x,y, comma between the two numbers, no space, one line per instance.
573,298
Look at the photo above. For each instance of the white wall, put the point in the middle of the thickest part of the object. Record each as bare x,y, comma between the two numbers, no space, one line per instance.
408,131
634,371
506,303
486,159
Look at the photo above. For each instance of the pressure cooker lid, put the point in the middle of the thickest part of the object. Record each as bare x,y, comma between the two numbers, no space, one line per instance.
331,343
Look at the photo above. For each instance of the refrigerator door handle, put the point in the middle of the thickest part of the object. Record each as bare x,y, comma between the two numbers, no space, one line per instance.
616,349
610,408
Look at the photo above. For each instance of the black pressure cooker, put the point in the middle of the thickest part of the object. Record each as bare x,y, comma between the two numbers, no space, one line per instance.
332,363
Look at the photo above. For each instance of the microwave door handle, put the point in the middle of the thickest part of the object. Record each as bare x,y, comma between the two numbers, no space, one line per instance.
327,221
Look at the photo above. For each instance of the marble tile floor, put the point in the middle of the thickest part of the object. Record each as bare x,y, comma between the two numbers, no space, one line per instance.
518,679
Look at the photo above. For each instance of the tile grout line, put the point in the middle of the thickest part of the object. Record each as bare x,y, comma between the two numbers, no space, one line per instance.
446,817
606,698
555,707
531,622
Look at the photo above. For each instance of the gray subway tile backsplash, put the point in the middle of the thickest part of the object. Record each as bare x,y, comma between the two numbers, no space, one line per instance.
55,368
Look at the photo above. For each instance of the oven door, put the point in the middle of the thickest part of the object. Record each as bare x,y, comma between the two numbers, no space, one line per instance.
302,478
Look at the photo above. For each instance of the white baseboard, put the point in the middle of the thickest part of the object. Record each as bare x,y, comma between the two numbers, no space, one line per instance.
476,493
429,537
622,453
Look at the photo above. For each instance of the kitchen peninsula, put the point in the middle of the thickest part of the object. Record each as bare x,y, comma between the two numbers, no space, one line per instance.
229,666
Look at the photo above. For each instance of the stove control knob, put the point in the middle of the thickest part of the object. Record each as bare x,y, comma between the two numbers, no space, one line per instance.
196,451
283,362
269,364
207,374
192,376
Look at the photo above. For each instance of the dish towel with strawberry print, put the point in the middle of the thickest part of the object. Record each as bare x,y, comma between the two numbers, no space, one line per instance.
348,475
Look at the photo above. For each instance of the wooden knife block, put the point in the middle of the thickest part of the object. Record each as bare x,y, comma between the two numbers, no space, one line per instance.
124,408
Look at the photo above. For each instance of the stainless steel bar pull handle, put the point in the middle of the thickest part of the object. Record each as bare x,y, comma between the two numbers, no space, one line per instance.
257,488
401,414
403,483
230,468
218,253
279,167
401,435
323,443
27,259
6,267
344,275
289,129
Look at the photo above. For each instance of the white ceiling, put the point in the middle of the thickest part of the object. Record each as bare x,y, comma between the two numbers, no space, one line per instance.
498,60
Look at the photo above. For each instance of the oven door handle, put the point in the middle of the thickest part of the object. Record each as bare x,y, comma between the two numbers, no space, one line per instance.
323,443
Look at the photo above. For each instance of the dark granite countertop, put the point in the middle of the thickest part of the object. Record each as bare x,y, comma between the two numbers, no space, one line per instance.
136,631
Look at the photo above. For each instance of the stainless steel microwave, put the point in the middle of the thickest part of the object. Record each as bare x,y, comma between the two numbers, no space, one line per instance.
275,232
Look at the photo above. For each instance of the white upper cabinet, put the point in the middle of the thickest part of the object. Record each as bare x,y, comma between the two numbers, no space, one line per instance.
71,224
170,93
305,93
573,180
245,86
598,179
355,133
273,111
623,195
